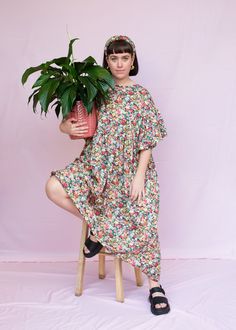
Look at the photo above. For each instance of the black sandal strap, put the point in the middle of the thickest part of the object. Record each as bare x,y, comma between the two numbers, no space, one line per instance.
159,300
157,289
91,245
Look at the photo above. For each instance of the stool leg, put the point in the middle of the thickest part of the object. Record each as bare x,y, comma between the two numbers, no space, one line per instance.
81,261
119,283
138,276
101,265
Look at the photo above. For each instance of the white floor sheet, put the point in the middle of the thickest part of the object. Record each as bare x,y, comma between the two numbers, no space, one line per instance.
40,296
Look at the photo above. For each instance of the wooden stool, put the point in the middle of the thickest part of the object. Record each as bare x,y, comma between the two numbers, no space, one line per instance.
101,270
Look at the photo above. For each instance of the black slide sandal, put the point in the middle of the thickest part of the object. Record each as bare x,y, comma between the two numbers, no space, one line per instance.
158,300
93,247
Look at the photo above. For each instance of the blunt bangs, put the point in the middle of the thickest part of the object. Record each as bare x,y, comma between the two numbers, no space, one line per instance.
119,46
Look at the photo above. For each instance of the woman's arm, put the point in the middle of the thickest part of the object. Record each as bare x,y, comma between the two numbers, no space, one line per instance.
144,157
137,185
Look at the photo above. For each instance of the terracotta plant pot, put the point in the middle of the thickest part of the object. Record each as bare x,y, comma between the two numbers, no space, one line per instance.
79,113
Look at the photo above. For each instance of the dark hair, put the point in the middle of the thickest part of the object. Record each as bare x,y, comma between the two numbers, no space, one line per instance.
121,46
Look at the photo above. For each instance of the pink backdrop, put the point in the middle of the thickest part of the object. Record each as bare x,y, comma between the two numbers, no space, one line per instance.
187,52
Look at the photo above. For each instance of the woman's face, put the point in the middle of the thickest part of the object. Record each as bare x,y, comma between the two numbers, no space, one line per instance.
120,65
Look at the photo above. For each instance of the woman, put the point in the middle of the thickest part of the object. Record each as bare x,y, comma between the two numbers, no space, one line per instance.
113,185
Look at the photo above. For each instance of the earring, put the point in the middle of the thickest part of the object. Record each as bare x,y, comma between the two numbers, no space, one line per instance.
132,67
107,67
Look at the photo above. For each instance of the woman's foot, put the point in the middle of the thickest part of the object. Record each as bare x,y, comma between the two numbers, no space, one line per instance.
92,246
159,303
86,250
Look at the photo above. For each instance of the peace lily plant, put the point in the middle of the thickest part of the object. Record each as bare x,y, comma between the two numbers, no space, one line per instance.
65,81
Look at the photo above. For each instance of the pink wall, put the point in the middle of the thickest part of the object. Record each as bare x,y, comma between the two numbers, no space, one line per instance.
187,54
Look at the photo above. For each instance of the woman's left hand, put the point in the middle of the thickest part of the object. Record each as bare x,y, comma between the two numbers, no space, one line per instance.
137,188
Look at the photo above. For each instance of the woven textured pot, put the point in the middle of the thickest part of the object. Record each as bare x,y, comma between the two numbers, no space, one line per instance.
79,113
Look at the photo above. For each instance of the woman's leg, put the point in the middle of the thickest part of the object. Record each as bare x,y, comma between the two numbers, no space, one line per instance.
153,284
57,194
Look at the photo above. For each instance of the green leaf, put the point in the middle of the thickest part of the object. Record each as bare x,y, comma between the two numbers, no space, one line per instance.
89,107
60,61
41,80
98,72
55,103
67,100
101,86
79,66
89,87
68,70
32,95
54,71
29,71
90,60
58,109
46,92
109,80
62,87
81,93
35,102
46,65
70,47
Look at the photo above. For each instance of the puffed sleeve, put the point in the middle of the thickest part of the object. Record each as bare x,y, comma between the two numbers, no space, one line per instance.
151,124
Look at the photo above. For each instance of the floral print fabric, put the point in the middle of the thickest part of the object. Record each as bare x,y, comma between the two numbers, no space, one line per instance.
98,181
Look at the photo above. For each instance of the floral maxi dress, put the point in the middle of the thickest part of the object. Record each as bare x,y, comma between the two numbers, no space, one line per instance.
98,181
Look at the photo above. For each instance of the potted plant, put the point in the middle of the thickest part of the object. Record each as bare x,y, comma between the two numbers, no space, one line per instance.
76,88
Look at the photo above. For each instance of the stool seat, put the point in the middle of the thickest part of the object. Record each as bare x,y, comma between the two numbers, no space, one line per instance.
101,268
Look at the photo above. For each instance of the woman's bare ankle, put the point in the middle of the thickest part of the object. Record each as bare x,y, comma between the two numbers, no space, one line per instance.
93,238
153,283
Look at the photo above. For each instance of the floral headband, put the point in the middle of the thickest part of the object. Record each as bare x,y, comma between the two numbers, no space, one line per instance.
114,38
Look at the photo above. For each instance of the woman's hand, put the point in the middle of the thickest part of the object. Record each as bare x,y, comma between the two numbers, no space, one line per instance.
137,188
71,127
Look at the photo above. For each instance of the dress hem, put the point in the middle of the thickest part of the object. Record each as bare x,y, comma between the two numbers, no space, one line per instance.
85,217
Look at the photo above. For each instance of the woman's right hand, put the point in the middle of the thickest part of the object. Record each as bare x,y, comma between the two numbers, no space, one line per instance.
71,127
